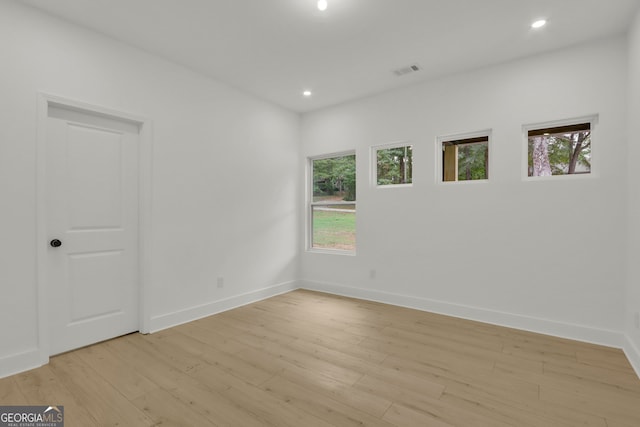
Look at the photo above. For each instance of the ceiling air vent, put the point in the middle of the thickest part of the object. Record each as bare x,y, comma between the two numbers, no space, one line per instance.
407,70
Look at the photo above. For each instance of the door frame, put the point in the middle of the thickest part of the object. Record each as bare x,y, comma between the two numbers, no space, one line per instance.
145,162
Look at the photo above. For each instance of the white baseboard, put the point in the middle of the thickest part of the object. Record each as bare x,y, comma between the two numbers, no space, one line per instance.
176,318
543,326
633,354
16,363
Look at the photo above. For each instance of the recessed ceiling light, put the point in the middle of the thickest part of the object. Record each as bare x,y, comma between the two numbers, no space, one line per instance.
322,5
306,93
539,23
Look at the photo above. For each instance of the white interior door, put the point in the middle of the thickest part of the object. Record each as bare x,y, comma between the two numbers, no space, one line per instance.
92,212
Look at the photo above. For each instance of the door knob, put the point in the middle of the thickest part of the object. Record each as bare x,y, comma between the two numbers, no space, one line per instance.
55,243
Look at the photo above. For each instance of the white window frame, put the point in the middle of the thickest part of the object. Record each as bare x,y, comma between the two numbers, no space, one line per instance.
440,140
591,119
310,204
374,163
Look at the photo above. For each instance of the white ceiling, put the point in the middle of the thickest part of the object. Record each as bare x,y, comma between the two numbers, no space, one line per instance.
275,49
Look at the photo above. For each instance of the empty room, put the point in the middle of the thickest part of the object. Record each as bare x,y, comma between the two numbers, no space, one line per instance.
320,213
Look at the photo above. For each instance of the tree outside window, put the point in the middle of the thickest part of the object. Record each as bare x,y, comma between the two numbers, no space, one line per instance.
394,165
561,150
465,159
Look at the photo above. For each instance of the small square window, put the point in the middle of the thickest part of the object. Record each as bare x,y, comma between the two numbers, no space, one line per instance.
559,150
465,159
393,165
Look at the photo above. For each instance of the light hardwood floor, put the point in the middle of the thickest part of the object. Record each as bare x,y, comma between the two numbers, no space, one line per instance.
308,359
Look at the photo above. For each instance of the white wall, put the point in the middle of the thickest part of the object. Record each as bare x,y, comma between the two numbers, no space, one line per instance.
545,256
632,330
225,174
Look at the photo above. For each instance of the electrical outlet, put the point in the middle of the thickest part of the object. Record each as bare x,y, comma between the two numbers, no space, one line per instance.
220,282
372,274
637,320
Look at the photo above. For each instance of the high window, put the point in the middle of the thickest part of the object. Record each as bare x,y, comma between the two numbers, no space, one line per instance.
563,149
393,164
465,157
332,205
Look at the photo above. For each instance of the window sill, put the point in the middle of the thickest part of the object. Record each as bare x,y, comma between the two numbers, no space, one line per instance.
388,186
465,182
571,177
331,252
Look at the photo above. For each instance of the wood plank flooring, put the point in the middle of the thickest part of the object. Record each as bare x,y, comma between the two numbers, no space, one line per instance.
311,359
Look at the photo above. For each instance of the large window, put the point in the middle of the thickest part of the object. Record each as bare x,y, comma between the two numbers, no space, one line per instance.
465,157
393,164
333,203
559,150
